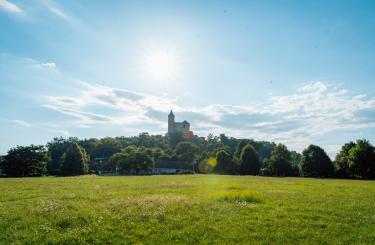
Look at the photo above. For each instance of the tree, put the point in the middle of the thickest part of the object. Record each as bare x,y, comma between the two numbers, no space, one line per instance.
362,159
240,147
106,147
132,158
229,142
280,161
186,151
343,161
160,154
174,138
120,161
224,161
315,162
1,166
23,161
56,148
74,161
142,161
249,161
295,158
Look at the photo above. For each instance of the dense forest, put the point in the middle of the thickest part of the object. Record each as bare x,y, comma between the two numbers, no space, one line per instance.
211,154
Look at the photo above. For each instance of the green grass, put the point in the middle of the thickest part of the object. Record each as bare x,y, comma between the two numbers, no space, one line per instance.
239,197
186,209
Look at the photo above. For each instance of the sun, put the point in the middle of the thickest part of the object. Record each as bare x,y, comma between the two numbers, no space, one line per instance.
161,64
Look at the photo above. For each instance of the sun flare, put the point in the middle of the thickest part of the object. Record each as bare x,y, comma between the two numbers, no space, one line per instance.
161,64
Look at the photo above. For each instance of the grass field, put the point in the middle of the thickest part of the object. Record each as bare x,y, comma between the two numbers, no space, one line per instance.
186,209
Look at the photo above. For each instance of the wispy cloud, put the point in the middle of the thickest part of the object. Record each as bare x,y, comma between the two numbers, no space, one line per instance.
38,64
21,123
55,9
10,7
55,128
297,119
48,65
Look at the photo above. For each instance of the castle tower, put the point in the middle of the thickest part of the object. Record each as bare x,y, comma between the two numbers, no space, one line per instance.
171,123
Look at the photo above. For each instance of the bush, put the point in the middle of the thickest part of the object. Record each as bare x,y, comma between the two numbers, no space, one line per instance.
207,166
23,161
74,161
315,162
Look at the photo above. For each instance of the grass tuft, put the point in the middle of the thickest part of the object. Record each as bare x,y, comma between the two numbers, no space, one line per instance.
232,187
240,197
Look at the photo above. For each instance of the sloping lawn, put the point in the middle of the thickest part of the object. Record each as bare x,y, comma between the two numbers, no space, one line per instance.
186,209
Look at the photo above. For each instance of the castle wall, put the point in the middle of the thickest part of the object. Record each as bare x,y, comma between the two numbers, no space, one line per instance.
173,126
182,127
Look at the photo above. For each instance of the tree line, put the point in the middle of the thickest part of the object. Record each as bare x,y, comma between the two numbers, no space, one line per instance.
211,154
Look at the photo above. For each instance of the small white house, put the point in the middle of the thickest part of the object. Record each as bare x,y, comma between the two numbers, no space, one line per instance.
173,167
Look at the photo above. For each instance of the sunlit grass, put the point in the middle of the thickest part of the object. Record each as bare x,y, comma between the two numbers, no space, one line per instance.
240,197
232,187
186,209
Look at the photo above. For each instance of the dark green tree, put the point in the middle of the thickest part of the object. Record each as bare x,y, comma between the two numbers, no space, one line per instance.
362,159
23,161
131,159
113,162
280,161
224,162
249,161
295,158
74,161
343,162
121,162
106,147
186,151
240,146
56,148
142,161
160,154
174,138
315,162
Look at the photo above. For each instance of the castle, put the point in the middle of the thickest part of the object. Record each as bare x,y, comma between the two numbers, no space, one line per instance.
179,127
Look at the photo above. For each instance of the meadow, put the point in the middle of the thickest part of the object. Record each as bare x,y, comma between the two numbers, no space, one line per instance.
186,209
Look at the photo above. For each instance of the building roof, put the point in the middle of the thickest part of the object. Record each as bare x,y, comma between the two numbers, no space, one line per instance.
173,164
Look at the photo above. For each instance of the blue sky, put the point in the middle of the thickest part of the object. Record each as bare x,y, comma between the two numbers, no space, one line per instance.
296,72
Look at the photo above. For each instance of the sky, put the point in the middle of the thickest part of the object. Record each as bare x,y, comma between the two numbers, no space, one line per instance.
293,72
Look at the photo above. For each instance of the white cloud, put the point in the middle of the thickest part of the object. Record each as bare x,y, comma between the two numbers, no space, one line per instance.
10,7
55,9
49,65
38,64
298,119
21,123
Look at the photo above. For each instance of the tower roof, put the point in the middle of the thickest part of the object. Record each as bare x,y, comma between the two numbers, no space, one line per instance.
171,113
